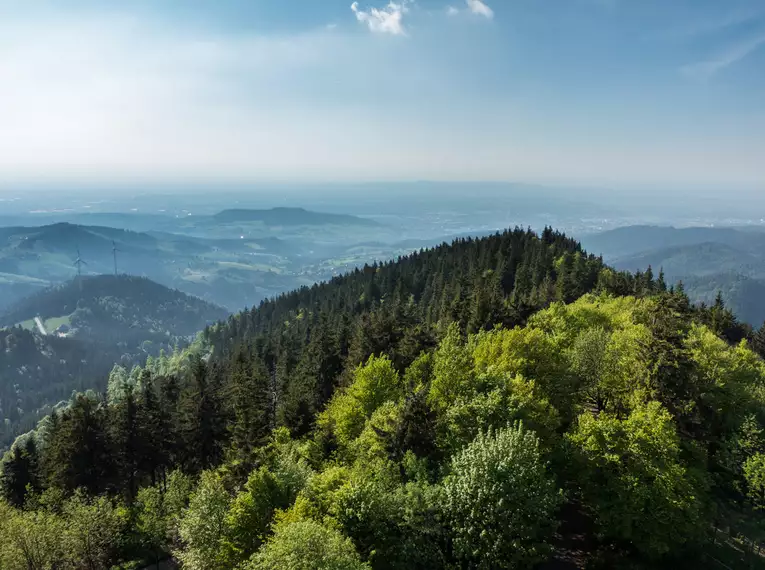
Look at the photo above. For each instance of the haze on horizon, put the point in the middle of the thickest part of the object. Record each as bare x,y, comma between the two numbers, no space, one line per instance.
602,92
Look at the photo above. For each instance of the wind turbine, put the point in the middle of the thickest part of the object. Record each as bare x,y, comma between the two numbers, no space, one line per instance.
79,262
114,251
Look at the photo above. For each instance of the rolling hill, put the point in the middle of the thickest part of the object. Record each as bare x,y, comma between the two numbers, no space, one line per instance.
34,258
90,325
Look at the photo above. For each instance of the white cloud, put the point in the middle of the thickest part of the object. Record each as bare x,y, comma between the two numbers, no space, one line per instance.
478,7
388,20
452,11
706,69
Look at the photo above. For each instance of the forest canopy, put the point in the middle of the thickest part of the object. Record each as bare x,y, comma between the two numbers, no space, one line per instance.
478,405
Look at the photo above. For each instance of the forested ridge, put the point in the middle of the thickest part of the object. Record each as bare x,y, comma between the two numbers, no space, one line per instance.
461,407
109,320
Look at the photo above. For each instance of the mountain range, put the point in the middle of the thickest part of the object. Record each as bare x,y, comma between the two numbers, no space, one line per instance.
707,260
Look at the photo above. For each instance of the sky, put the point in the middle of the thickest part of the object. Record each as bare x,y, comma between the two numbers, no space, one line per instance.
602,92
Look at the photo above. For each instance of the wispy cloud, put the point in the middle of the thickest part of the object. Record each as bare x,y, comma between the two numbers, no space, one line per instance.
387,20
707,69
712,25
480,8
452,11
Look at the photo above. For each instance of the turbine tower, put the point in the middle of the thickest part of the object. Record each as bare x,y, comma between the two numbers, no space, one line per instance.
79,262
114,252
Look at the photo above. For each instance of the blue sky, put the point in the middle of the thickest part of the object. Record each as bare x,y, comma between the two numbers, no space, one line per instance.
607,92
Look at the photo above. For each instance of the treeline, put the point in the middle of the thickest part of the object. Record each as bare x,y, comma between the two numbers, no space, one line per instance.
382,420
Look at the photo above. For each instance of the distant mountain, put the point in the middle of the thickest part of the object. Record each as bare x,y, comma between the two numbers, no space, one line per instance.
697,259
707,260
744,295
630,240
34,258
290,217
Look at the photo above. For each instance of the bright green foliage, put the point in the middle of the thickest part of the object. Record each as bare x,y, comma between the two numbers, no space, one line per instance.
646,415
372,443
374,383
502,402
604,311
500,501
249,517
598,352
307,545
633,477
152,519
726,378
320,493
609,366
31,540
203,524
158,511
480,384
452,371
178,490
529,352
754,471
94,531
393,526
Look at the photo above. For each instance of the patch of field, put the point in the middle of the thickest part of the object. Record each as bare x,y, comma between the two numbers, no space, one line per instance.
28,325
52,324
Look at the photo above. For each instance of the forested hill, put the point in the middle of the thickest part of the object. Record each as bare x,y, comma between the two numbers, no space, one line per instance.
512,384
502,278
89,325
126,308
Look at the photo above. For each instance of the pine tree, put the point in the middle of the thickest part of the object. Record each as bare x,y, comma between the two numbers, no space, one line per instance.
154,432
758,341
661,283
78,452
126,439
18,472
202,424
248,394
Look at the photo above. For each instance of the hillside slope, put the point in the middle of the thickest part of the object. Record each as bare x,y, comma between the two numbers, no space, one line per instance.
121,307
375,421
107,320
